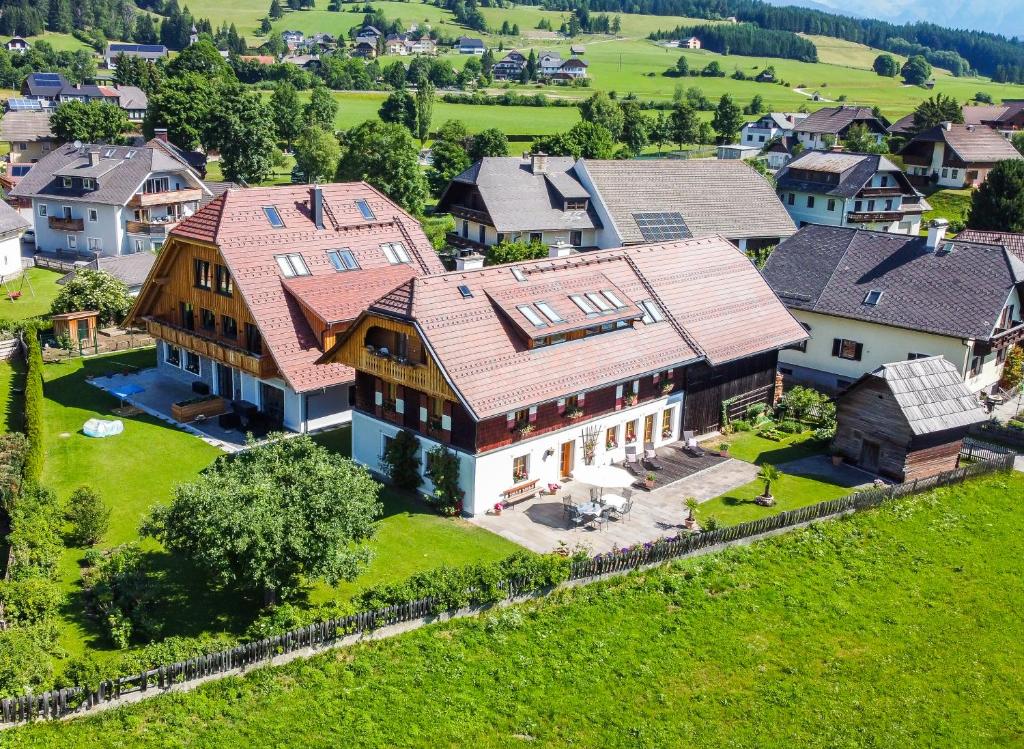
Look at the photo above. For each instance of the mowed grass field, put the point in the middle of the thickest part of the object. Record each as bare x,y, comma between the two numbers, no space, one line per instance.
897,627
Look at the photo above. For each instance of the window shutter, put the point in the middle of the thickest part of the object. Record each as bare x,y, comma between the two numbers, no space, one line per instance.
511,419
618,397
581,399
561,406
837,344
857,353
533,414
423,414
446,419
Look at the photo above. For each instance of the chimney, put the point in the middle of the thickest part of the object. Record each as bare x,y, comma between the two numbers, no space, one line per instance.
160,133
936,233
472,261
94,157
559,249
946,125
539,163
316,205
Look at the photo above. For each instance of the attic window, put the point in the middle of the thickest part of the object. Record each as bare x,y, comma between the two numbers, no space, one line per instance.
129,154
518,274
108,153
466,293
273,216
292,264
614,299
395,252
583,304
66,181
342,260
872,297
599,301
576,204
365,210
652,313
527,312
549,312
86,183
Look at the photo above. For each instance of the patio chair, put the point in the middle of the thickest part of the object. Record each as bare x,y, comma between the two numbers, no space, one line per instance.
576,518
601,520
622,513
633,463
567,504
691,447
651,457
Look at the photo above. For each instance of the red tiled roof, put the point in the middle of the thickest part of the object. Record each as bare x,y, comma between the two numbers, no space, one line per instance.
716,306
1012,242
236,223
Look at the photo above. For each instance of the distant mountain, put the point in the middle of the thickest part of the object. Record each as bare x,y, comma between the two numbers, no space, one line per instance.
1005,17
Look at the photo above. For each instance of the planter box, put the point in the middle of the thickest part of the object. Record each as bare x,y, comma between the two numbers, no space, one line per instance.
187,411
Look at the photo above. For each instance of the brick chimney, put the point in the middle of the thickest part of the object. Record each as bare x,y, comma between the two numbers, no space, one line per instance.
316,205
160,133
936,233
94,157
472,261
539,163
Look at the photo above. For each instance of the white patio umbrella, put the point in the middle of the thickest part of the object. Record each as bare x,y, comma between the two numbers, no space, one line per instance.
605,477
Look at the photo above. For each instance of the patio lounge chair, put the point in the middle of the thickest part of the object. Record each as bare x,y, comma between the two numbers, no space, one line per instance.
651,457
633,463
691,447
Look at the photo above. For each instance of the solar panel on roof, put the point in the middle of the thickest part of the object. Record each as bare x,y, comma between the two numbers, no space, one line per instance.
662,226
46,77
24,105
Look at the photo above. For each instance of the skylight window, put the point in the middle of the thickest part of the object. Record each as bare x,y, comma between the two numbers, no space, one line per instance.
292,264
529,314
129,154
109,153
872,297
583,304
273,216
614,299
395,252
518,274
365,210
652,312
342,260
466,293
599,301
549,312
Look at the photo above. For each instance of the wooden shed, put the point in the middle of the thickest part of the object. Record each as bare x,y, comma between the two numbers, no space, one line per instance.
906,420
78,326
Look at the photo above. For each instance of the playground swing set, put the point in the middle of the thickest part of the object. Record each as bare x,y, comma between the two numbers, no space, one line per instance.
15,294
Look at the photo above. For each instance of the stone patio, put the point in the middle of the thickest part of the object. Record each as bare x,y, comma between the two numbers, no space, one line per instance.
540,524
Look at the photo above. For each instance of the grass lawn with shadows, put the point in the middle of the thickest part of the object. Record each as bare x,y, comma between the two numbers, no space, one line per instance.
38,289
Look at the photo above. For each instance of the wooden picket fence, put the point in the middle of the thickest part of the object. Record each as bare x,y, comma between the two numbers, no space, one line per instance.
62,702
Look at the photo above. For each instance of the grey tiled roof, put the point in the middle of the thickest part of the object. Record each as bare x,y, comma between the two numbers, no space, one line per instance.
11,220
930,393
714,196
25,126
855,170
830,270
131,269
834,120
972,144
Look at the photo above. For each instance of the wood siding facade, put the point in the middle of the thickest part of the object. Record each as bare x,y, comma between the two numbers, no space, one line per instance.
748,381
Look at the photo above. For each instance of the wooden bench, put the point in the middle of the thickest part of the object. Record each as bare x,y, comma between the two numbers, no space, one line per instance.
520,492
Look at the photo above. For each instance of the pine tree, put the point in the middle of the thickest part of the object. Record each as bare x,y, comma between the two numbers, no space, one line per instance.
59,16
275,11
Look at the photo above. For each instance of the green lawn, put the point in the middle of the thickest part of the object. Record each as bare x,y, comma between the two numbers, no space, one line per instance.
897,627
952,205
38,288
140,468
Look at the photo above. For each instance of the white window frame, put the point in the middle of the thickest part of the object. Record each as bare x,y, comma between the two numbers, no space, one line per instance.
72,242
94,215
95,244
42,210
66,182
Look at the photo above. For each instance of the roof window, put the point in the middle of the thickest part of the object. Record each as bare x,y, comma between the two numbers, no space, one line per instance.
466,293
273,216
583,304
365,210
129,154
395,252
292,264
527,312
549,312
342,259
872,297
599,301
518,274
614,299
652,312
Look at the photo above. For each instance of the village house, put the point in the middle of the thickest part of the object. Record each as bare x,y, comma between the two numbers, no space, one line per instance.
16,45
132,270
396,44
293,39
54,89
843,189
526,371
470,46
868,298
365,49
29,138
249,292
691,43
110,200
151,52
570,70
956,156
549,63
1007,117
830,125
768,127
906,420
510,67
12,227
590,204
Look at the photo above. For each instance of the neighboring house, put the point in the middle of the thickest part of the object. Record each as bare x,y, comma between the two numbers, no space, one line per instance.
691,43
44,86
28,136
249,292
260,59
549,63
470,46
577,50
110,200
765,76
152,52
843,189
509,67
768,127
869,298
779,151
956,155
906,420
17,46
904,126
133,101
527,371
55,89
571,69
132,270
1012,242
12,226
365,49
396,45
306,62
601,204
829,125
293,39
422,46
1007,117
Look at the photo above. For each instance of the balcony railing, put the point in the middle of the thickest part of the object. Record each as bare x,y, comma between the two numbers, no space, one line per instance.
481,217
146,199
865,217
59,223
874,192
150,228
257,366
463,243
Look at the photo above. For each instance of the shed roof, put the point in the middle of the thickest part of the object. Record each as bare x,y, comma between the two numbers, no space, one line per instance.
26,127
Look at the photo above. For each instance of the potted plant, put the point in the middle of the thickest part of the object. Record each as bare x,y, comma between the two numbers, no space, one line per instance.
574,413
691,505
630,399
498,507
610,445
768,474
649,480
666,387
518,476
524,429
723,449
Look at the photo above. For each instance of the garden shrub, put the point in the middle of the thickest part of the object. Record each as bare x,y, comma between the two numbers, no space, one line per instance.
285,617
443,471
755,410
88,516
825,434
1015,424
790,426
741,425
35,535
13,451
119,595
770,433
26,666
31,600
34,407
401,461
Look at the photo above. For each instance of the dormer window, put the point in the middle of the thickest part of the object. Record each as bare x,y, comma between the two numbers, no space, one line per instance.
66,182
576,205
87,183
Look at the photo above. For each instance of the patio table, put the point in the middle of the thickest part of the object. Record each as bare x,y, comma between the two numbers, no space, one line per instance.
589,509
614,501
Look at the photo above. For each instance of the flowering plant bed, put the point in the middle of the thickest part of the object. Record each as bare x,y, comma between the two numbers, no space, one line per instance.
205,406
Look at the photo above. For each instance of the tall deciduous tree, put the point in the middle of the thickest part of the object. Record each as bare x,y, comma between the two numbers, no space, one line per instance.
586,140
94,290
272,516
182,105
400,108
683,124
449,155
95,122
201,57
636,128
424,110
886,65
287,112
998,205
317,153
601,110
489,142
240,125
322,108
916,70
727,120
385,155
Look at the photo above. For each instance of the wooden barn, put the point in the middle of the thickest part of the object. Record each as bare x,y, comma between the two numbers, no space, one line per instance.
906,420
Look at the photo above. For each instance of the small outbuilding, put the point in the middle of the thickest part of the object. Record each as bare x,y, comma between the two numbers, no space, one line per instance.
79,327
906,420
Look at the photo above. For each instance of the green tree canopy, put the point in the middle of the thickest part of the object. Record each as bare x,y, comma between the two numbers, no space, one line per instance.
424,110
886,65
182,105
916,70
586,140
998,205
683,124
449,155
489,142
513,252
322,108
242,128
400,109
286,112
860,139
385,155
201,57
937,109
1018,142
728,119
94,290
317,153
636,128
270,517
601,110
95,122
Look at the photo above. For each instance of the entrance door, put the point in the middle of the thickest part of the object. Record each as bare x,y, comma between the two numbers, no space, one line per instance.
648,429
568,457
869,452
272,403
225,382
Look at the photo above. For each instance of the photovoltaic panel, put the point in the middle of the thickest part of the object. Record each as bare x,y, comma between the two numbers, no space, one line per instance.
662,226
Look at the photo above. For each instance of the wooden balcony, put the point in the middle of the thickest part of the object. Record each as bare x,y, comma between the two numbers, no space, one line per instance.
874,192
167,197
470,214
460,242
257,366
150,228
867,217
59,223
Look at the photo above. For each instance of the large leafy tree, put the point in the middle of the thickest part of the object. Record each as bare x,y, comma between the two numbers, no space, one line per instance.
636,128
201,57
601,110
886,65
586,140
286,112
322,108
273,516
317,153
400,109
861,140
182,105
449,155
998,205
683,124
489,142
937,109
94,290
728,119
240,125
95,122
385,155
916,70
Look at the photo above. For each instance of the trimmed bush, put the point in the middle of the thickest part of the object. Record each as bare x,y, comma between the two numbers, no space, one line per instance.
741,425
88,516
31,600
34,407
789,426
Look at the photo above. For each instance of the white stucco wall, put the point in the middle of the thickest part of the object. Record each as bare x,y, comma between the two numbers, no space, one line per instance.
10,255
548,237
107,227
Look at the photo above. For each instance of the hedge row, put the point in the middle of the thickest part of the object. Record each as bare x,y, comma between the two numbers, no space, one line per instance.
33,407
